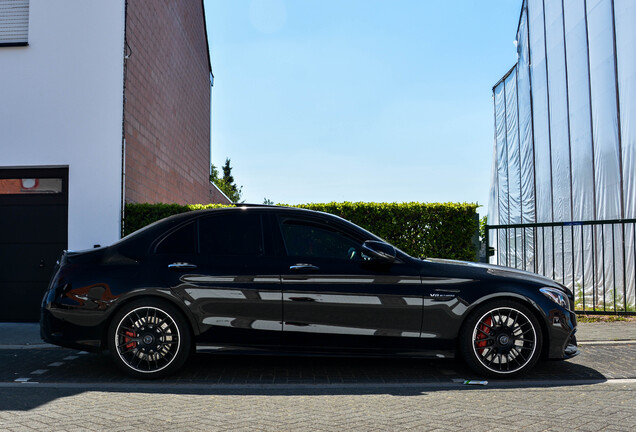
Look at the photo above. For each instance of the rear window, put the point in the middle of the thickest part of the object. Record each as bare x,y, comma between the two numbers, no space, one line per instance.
183,241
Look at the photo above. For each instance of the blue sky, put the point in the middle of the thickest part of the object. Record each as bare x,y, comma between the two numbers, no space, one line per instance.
358,100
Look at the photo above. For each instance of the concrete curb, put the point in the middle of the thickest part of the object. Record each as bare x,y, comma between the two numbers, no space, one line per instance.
211,387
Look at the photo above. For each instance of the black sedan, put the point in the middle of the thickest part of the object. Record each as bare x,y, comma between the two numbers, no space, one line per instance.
275,278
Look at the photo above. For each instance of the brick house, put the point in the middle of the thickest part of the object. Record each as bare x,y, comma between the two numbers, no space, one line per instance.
101,103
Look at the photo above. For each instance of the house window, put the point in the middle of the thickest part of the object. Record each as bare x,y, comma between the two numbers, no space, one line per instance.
14,22
18,186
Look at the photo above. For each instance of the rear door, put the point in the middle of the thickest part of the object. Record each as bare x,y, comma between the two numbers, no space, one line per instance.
336,297
228,281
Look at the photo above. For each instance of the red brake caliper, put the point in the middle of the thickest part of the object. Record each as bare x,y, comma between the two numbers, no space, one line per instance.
483,332
129,345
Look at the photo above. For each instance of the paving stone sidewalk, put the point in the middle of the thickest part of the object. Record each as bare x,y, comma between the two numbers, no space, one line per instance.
607,407
67,390
607,331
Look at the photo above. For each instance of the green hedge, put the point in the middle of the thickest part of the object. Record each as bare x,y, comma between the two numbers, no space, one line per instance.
433,230
447,230
137,216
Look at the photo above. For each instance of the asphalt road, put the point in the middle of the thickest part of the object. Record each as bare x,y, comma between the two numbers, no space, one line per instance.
55,389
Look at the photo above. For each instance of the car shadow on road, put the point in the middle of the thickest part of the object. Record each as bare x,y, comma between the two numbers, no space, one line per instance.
279,369
231,374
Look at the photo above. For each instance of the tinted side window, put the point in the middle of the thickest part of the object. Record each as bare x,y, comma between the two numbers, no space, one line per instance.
183,240
232,234
304,239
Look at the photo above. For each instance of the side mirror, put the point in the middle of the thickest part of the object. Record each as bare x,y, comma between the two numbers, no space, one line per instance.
379,251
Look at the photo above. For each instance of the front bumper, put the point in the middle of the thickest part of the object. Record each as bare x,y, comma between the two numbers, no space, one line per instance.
562,334
571,349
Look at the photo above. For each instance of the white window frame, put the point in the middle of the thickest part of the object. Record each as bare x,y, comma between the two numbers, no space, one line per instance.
14,23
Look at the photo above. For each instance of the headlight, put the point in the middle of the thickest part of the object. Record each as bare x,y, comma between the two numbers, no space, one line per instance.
556,296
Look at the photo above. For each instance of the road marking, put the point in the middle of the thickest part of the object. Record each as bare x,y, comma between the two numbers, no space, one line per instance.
39,371
22,380
621,342
27,347
56,364
70,357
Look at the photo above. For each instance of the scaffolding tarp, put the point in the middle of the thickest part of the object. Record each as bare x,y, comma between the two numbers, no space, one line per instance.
579,112
526,146
565,150
543,169
607,174
559,136
625,20
581,149
514,169
502,168
604,116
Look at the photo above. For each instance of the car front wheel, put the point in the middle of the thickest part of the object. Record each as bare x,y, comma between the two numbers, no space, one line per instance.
501,339
149,338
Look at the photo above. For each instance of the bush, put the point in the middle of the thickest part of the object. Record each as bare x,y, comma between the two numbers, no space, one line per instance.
445,230
432,230
138,216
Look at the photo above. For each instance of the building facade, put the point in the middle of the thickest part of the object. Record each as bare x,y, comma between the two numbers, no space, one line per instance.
167,103
563,190
101,103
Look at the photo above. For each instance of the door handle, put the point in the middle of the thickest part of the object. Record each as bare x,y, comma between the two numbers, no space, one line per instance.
181,266
304,267
297,324
302,299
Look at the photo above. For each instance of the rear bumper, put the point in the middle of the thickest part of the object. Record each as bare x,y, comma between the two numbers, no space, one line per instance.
64,328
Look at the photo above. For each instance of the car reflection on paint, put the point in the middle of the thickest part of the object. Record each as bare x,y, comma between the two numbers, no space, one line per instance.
275,278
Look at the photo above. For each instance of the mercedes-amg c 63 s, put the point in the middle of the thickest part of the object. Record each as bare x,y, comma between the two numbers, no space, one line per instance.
275,278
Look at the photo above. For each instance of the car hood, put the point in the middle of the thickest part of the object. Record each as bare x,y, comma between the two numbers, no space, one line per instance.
501,271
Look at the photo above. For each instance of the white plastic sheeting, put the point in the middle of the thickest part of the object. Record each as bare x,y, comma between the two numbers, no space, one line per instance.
526,148
502,170
607,165
581,149
538,75
514,168
564,168
625,20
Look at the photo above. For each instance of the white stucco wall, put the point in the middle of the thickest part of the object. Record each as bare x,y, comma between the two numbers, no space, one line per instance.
61,102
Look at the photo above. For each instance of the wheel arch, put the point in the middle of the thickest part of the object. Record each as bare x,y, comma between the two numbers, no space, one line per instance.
525,301
134,296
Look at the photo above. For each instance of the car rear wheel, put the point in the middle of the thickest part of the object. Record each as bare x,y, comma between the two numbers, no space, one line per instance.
501,339
149,338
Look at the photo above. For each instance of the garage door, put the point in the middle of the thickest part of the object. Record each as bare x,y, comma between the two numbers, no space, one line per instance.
34,228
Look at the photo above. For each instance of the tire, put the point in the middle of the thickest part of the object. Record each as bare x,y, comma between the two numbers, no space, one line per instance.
501,339
149,338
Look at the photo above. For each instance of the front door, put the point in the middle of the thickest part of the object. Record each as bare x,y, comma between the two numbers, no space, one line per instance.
336,297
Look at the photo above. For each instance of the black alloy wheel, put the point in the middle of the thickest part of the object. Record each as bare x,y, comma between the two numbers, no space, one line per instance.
501,338
149,338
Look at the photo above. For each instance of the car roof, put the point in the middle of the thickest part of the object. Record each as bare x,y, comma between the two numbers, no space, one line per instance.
136,243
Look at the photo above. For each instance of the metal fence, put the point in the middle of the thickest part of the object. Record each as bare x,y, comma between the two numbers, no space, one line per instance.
595,259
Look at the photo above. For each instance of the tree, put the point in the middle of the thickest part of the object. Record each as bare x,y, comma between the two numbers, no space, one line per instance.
226,183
